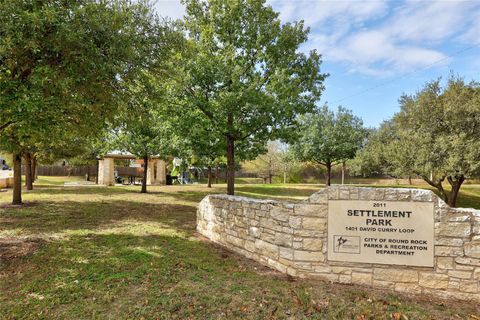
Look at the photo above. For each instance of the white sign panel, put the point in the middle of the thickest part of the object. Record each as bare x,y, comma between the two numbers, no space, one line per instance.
386,232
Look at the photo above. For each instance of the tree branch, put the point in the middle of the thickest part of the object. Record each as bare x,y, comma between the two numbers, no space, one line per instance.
251,132
207,113
5,125
320,162
437,185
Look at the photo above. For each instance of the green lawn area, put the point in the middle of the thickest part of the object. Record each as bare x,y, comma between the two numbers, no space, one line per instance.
88,252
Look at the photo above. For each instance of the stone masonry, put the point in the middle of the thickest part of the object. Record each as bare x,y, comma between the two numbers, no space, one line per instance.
291,238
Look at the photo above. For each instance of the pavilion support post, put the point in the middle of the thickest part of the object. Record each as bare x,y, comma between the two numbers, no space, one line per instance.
161,177
151,172
106,174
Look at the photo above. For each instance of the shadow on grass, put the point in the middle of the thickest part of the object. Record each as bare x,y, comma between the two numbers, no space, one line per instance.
54,217
167,276
279,193
113,275
102,190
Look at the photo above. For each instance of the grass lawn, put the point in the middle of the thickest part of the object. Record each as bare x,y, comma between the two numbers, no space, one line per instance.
88,252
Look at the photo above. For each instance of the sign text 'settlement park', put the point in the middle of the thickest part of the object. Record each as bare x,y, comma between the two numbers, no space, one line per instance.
387,232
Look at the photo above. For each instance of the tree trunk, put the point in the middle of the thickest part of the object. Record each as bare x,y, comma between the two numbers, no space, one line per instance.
28,171
216,172
209,172
98,171
343,172
437,185
34,169
410,180
230,165
443,194
144,180
285,174
329,173
456,184
17,179
270,178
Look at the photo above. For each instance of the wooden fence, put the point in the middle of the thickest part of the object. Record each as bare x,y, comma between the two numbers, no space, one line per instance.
83,171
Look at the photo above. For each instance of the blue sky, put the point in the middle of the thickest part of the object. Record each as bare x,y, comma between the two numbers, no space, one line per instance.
376,50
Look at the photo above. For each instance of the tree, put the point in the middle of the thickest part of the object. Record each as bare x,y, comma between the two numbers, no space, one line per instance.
374,158
207,147
146,126
269,164
243,71
61,63
145,129
327,138
202,144
438,130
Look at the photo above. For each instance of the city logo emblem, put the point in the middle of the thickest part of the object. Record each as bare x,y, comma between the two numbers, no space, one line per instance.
346,244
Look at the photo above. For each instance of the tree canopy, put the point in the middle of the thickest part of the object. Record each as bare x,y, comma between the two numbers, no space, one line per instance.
435,136
328,138
61,66
245,74
274,162
145,128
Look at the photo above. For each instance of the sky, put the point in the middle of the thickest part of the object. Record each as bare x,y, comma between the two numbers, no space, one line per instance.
375,51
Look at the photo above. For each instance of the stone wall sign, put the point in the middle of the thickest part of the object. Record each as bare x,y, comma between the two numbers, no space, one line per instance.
384,232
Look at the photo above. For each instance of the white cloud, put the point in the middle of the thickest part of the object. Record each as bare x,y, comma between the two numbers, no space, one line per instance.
379,38
430,20
323,11
472,34
374,53
382,39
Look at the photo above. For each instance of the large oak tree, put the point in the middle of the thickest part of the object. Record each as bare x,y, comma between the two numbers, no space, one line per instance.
435,136
329,138
61,63
442,126
244,72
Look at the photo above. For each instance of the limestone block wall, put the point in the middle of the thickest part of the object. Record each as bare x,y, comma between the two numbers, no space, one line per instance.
292,238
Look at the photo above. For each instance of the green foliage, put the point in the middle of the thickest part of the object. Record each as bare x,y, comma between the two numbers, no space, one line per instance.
328,138
266,165
90,151
442,128
371,159
145,128
61,63
443,125
202,144
274,165
145,123
434,136
243,73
